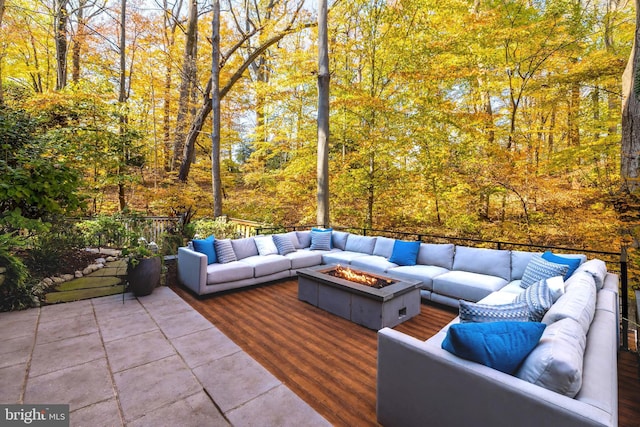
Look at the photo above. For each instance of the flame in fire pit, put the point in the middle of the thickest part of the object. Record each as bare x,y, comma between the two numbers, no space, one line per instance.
354,276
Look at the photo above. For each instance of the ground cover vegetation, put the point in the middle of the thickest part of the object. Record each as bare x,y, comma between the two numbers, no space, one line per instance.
496,119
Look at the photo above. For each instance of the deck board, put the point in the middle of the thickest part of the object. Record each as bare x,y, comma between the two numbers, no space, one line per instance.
330,362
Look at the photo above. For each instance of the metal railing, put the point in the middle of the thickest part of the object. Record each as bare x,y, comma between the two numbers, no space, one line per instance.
617,259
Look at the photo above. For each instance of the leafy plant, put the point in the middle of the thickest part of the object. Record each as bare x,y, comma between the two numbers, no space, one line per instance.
109,230
138,250
219,227
47,247
15,293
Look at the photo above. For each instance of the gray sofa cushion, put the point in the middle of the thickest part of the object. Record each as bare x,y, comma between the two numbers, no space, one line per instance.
577,303
267,264
519,262
304,238
424,273
362,244
340,257
228,272
373,263
556,362
597,268
467,286
339,239
492,262
304,258
244,248
384,247
438,254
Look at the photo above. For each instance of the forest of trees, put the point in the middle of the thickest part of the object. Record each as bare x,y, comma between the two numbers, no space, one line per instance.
499,119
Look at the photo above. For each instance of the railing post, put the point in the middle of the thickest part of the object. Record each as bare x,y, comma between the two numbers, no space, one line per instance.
625,298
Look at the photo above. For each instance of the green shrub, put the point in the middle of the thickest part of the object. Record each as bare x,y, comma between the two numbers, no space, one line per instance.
15,294
47,247
104,230
219,227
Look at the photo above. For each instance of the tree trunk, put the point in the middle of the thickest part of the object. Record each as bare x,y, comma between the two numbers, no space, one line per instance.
60,27
2,7
216,181
630,149
205,108
186,86
78,41
323,116
122,97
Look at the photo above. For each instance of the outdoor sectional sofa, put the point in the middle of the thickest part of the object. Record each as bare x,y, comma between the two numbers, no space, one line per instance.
419,382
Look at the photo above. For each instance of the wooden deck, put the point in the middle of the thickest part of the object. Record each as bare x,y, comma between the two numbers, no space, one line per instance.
330,362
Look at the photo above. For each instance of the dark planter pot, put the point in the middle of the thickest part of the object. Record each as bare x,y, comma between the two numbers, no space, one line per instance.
145,276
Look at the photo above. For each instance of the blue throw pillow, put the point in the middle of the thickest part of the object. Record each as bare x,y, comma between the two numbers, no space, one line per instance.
206,246
321,239
500,345
405,253
572,263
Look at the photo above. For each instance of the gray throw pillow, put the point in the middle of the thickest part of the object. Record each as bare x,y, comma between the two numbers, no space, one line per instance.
224,251
283,243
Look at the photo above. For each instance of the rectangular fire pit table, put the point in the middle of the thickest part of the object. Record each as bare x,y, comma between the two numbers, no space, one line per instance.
367,306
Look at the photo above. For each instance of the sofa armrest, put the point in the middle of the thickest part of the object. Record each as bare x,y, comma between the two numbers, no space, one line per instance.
192,270
419,383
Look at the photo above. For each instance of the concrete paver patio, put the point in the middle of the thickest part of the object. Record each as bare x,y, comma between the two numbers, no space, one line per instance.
152,361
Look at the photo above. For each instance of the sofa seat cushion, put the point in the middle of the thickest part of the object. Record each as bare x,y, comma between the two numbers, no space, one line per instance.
557,361
228,272
577,303
268,264
373,263
304,258
467,286
423,273
512,288
491,262
340,257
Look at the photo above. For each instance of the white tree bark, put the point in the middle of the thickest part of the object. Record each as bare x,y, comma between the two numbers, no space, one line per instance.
216,181
323,116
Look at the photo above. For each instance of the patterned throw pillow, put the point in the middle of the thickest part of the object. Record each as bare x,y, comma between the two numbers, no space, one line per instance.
283,243
538,298
320,240
539,268
483,313
224,251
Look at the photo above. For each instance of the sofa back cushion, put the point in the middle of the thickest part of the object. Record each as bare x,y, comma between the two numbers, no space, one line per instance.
556,362
304,238
244,248
577,303
519,262
362,244
339,239
437,254
384,247
492,262
294,239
